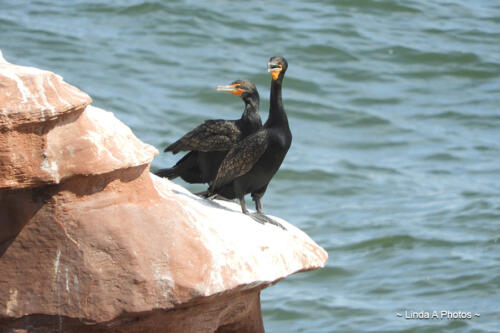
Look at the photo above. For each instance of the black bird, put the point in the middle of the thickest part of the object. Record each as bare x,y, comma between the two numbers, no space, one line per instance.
249,166
209,142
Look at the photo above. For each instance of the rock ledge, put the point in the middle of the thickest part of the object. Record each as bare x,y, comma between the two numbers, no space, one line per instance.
91,241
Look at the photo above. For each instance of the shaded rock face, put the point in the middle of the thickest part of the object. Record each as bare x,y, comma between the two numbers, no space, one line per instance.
90,241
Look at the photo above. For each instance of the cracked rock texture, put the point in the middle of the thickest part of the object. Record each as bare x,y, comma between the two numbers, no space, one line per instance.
91,241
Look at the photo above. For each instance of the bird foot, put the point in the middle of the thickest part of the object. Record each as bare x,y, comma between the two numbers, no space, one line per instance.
220,197
208,196
263,219
203,194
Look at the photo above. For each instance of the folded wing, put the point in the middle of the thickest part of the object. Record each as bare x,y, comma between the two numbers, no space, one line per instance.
212,135
241,158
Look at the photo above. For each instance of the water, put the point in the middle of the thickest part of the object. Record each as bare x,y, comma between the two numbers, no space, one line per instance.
395,110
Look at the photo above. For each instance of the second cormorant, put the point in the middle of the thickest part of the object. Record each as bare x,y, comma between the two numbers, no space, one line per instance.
209,142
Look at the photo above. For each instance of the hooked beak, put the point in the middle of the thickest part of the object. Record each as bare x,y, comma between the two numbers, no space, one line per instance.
230,88
274,69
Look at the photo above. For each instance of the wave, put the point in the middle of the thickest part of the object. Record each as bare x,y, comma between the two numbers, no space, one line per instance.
459,116
401,241
385,6
362,119
310,175
473,119
413,55
366,145
320,51
377,101
357,167
442,157
473,73
142,8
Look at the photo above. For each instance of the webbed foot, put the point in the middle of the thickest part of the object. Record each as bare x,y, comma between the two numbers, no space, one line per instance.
207,195
263,219
203,194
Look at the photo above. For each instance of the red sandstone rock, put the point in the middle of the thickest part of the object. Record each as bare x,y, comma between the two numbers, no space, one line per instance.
31,95
90,241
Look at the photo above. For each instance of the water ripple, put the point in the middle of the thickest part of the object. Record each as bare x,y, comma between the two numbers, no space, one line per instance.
386,6
401,242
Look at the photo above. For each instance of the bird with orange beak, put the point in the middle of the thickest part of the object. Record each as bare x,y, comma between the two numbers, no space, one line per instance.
209,143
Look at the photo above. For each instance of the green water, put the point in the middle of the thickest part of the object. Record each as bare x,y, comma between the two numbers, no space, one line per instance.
395,110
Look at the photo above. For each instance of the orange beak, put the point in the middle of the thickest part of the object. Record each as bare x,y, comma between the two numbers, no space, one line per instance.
232,88
275,71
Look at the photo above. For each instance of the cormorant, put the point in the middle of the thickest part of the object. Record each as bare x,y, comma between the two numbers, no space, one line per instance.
209,142
249,166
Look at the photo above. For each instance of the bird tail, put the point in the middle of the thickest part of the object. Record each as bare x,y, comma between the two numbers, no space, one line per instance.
175,147
169,173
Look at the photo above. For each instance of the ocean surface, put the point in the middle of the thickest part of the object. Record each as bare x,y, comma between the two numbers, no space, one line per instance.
394,107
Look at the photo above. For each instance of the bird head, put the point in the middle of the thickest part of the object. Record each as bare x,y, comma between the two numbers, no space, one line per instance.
241,88
277,67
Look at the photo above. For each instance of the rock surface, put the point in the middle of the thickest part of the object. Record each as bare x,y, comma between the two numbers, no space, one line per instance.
90,241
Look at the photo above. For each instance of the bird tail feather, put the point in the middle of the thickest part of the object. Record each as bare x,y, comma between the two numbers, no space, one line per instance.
174,147
169,173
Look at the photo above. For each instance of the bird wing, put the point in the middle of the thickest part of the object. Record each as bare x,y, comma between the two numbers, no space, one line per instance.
241,158
212,135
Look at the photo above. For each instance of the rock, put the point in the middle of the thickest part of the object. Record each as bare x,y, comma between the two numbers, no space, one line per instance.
30,95
91,241
32,103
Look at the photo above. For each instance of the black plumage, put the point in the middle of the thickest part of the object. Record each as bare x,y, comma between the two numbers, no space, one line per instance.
250,165
209,143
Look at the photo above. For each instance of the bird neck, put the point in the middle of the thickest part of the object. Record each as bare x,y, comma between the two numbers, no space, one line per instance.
251,113
277,115
251,107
